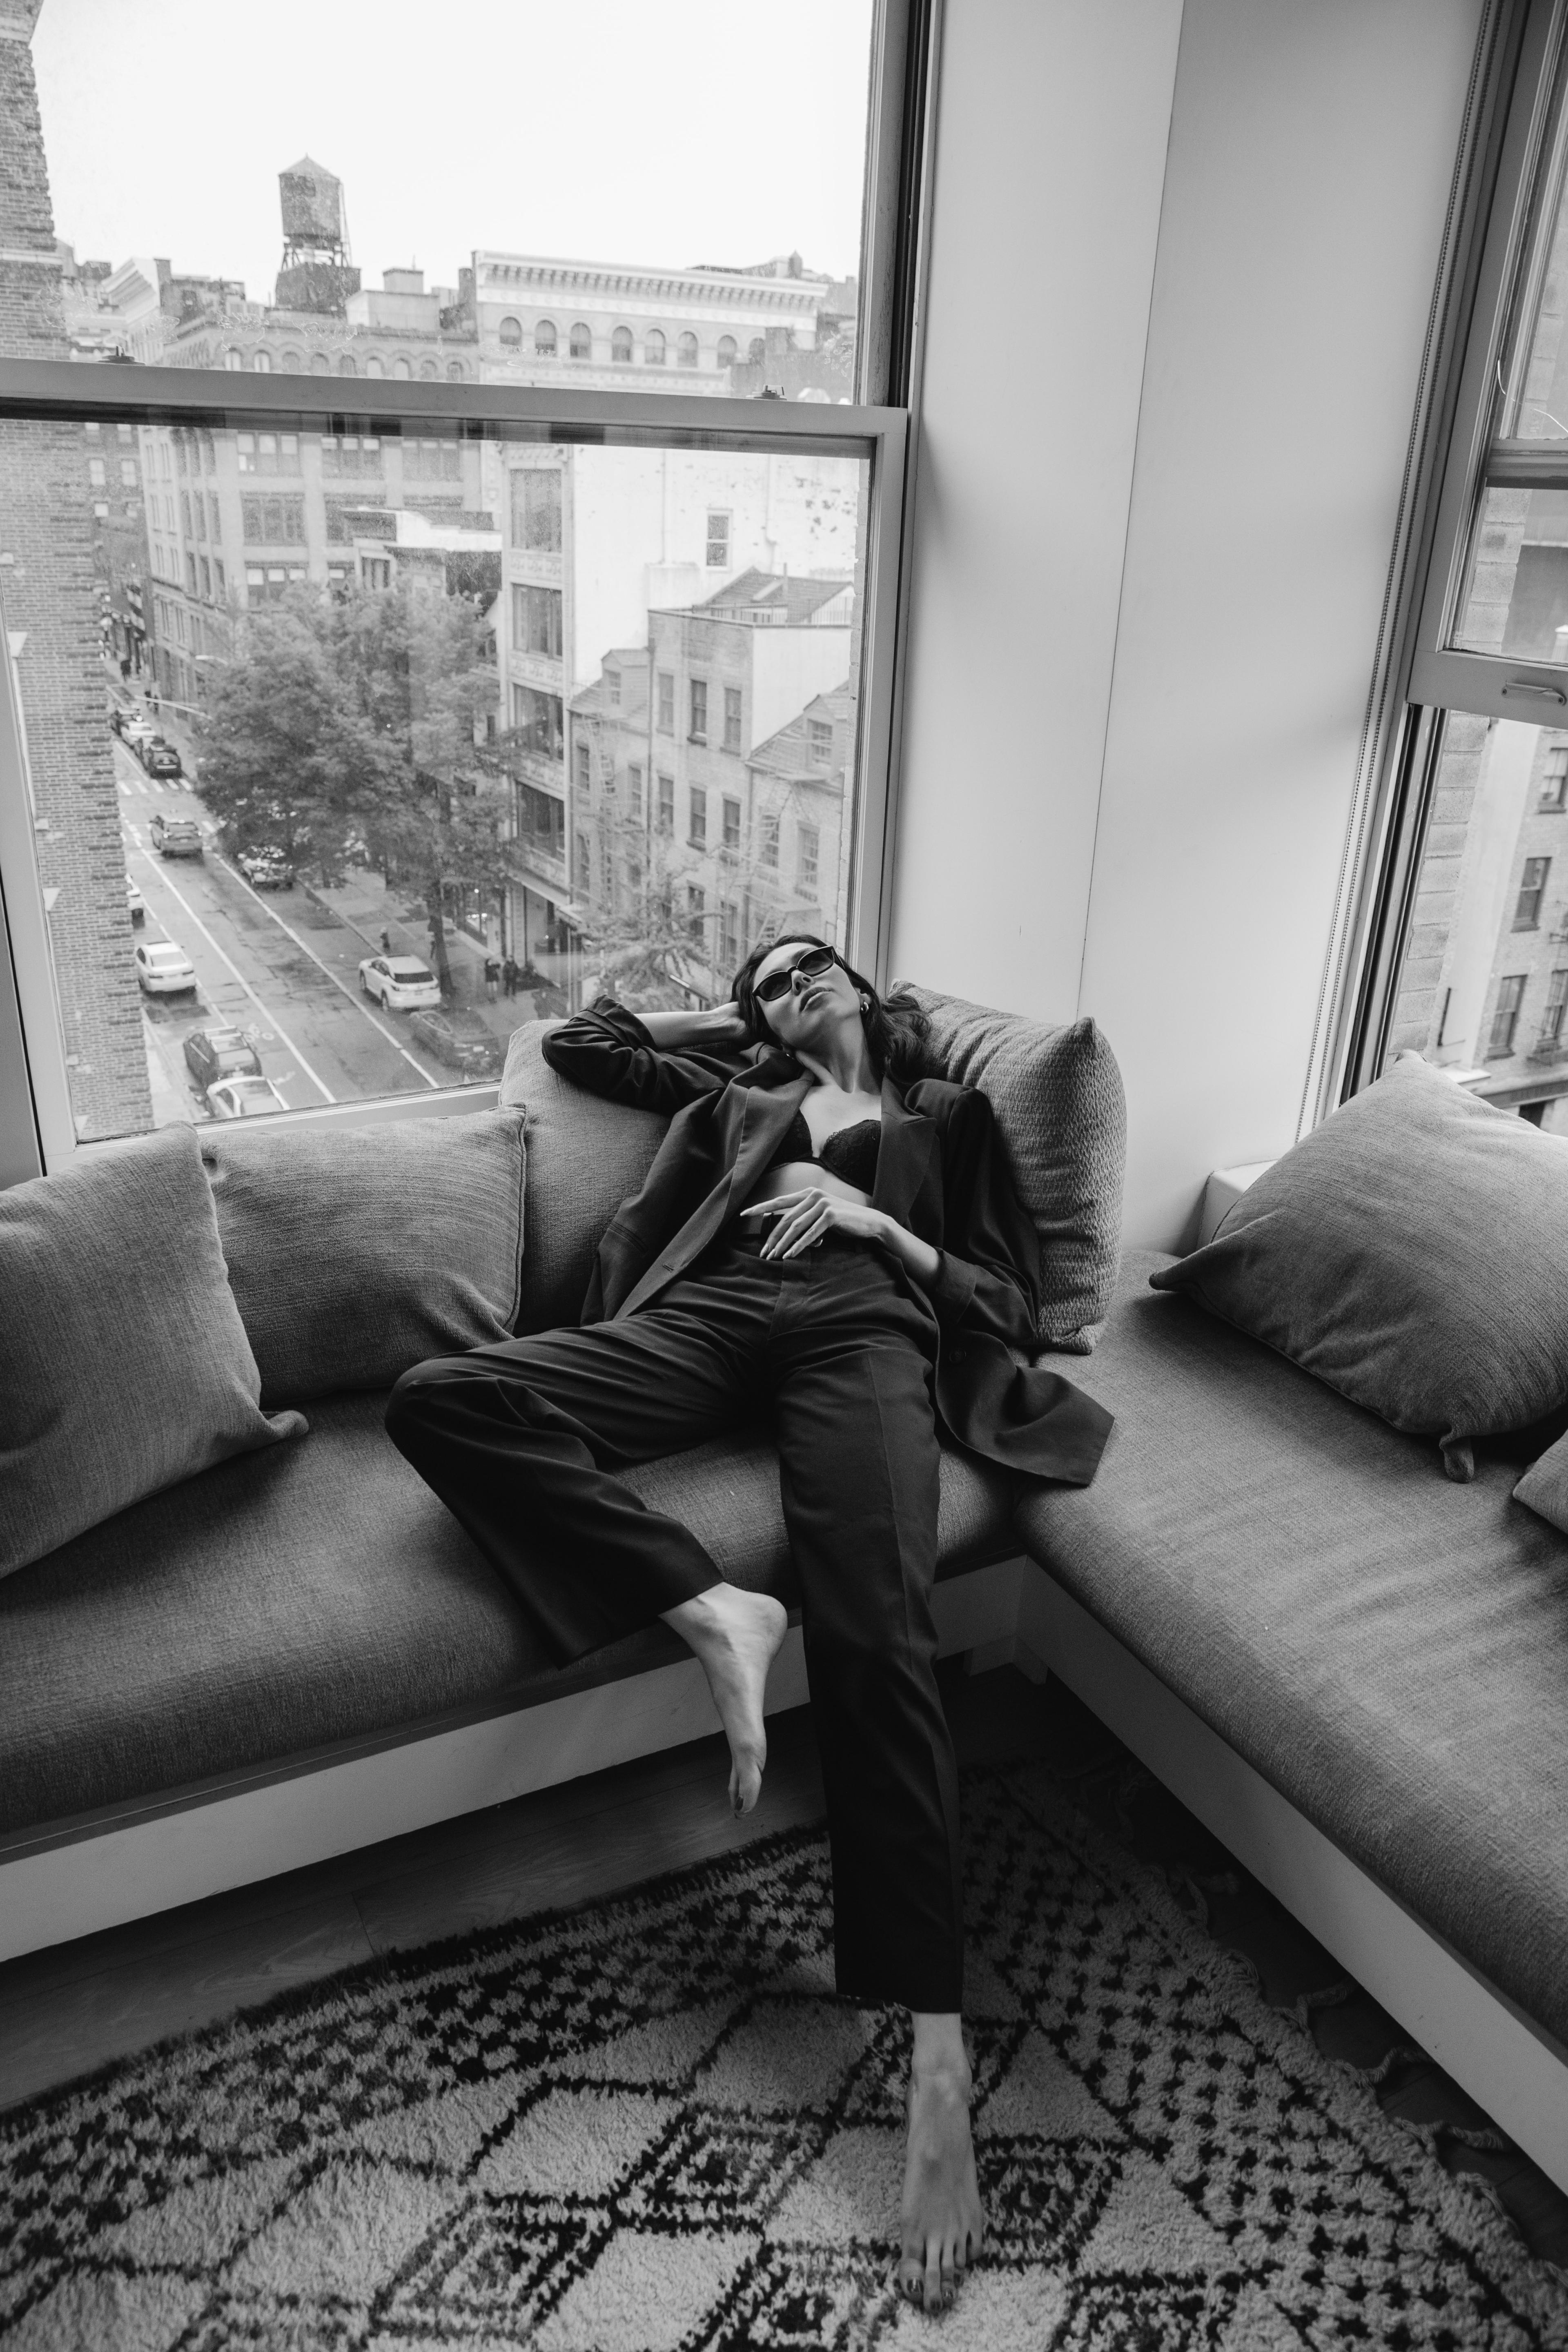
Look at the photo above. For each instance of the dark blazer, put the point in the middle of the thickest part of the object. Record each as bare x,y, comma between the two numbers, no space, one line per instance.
939,1172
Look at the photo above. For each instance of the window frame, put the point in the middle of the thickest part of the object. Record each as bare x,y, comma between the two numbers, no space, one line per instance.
1415,679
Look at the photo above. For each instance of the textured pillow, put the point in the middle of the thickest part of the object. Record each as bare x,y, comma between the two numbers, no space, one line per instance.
585,1156
1413,1253
1544,1489
355,1252
1059,1109
124,1366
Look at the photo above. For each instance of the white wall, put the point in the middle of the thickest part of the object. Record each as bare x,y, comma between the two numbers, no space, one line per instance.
1148,712
1050,155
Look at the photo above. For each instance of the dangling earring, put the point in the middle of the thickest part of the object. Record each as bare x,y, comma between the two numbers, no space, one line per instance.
865,1004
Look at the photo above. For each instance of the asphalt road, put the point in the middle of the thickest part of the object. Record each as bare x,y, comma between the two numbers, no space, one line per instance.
275,965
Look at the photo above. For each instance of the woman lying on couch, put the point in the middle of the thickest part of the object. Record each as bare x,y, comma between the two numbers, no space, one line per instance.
831,1238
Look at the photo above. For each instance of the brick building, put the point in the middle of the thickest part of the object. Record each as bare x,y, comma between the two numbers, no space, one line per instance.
51,587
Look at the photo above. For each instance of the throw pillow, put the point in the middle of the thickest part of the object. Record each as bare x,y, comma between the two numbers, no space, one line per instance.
1412,1252
585,1156
1544,1486
1062,1117
355,1252
124,1366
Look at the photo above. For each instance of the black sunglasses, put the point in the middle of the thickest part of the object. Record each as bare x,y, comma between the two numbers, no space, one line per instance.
811,966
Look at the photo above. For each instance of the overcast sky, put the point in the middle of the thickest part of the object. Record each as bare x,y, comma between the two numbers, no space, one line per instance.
645,130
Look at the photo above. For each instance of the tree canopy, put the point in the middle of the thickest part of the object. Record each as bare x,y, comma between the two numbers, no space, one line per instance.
344,730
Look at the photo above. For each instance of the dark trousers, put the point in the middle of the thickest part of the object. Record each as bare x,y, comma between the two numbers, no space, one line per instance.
521,1442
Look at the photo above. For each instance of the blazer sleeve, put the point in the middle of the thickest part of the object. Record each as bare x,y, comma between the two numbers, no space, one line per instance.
989,1278
609,1050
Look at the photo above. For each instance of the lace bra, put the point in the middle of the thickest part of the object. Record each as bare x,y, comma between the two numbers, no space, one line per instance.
851,1154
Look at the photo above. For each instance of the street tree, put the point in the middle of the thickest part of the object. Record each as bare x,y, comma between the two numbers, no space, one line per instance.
344,729
269,737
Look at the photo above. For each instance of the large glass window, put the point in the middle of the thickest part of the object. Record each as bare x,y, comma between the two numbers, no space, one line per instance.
535,255
291,687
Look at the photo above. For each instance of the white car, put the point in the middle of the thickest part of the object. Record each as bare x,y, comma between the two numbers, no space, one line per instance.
244,1098
134,901
164,969
402,983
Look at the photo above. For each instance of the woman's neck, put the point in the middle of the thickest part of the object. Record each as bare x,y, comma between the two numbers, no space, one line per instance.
843,1063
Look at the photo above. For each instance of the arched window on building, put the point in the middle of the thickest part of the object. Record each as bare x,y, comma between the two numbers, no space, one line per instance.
402,370
621,344
456,370
728,353
261,363
582,344
544,339
427,371
685,350
653,348
290,363
320,363
346,364
374,366
511,335
233,359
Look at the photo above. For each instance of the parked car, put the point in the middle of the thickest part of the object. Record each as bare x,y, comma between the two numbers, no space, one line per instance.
175,836
244,1098
136,901
164,969
400,982
135,732
158,759
475,1052
215,1054
265,869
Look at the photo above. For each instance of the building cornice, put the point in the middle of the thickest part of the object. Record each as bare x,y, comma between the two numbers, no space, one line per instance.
516,272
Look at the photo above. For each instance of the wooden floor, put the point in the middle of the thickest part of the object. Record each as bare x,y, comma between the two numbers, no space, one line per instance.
66,2011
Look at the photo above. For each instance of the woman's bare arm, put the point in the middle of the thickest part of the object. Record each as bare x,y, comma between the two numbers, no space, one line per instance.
721,1025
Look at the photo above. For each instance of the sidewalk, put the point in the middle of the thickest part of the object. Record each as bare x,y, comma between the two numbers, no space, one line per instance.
367,906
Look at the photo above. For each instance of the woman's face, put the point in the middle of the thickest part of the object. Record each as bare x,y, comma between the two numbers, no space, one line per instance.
810,1011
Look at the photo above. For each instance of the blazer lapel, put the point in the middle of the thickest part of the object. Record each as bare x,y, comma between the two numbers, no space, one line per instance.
904,1157
765,1113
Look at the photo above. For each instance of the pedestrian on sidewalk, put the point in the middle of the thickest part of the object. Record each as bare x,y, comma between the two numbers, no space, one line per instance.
385,941
510,975
492,978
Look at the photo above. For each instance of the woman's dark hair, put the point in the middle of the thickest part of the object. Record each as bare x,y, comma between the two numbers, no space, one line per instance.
896,1028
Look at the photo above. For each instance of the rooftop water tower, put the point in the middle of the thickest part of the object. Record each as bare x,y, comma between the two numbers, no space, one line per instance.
316,272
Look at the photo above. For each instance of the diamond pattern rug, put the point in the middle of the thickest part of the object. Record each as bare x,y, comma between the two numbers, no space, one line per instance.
650,2124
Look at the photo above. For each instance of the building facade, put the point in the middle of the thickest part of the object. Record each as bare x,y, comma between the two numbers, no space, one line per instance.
707,783
52,611
602,324
595,541
236,519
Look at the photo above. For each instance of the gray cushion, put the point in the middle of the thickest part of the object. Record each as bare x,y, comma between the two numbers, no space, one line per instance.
1413,1253
1062,1117
1544,1487
586,1157
124,1363
321,1593
1389,1650
355,1252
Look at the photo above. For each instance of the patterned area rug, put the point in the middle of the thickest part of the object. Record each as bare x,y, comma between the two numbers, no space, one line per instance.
648,2123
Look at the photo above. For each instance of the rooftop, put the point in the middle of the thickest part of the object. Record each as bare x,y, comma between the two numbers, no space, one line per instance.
794,599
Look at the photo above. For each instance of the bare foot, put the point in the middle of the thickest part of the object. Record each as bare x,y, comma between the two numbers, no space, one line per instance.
736,1637
942,2225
